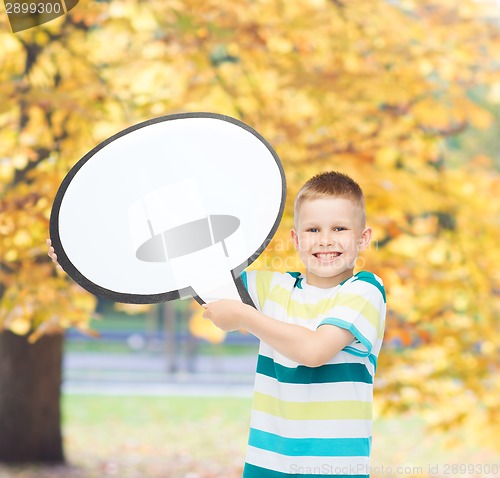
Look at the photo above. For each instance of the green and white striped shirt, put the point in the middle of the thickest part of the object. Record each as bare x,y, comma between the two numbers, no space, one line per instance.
310,421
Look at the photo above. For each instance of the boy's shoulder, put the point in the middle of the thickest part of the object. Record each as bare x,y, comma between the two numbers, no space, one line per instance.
367,280
367,276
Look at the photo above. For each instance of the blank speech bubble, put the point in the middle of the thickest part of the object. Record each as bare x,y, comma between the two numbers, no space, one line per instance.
173,207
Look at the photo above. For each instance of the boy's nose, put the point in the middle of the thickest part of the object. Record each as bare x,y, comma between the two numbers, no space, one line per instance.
326,240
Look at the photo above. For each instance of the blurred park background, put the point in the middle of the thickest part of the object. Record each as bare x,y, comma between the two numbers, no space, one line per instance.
403,95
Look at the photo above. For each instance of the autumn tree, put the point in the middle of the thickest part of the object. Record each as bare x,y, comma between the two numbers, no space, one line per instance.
371,88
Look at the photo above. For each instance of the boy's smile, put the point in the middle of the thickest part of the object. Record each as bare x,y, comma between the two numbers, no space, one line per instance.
328,236
326,256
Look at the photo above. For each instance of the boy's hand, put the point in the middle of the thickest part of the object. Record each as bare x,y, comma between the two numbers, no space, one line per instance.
227,314
53,255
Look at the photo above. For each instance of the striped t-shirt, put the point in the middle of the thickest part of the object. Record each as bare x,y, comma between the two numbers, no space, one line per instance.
310,421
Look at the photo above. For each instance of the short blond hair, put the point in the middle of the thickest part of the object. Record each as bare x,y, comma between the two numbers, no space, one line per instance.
331,184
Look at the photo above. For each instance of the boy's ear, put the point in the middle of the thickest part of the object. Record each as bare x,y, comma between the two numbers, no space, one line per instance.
295,238
365,239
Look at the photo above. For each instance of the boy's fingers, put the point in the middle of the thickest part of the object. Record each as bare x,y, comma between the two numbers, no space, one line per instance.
53,255
206,313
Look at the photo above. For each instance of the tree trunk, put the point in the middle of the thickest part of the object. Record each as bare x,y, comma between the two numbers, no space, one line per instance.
30,391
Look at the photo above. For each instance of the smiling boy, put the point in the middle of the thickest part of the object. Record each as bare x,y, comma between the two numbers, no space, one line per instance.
320,337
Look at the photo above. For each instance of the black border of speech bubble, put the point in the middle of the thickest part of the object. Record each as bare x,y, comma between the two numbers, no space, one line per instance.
97,290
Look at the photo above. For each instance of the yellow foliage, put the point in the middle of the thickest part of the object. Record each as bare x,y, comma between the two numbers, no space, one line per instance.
204,328
331,87
20,325
387,157
133,309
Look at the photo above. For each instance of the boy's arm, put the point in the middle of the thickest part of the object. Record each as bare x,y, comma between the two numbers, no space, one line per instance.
307,347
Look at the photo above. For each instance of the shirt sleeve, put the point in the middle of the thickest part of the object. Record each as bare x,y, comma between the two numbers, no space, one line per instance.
360,308
258,285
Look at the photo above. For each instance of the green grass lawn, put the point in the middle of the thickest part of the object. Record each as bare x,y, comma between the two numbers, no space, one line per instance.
158,436
190,437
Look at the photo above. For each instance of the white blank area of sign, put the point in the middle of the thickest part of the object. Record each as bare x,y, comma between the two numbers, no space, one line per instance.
236,175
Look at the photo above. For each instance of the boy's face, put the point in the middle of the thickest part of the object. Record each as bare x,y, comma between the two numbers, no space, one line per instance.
328,236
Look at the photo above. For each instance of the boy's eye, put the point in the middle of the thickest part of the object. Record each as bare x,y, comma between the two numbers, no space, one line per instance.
337,229
312,229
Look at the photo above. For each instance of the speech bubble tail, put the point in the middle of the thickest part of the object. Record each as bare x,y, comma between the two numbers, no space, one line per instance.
215,282
209,274
244,296
226,291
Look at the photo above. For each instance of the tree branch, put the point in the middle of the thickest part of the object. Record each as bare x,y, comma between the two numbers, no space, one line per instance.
446,132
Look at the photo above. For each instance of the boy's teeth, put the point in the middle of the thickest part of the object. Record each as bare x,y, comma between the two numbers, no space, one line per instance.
327,255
